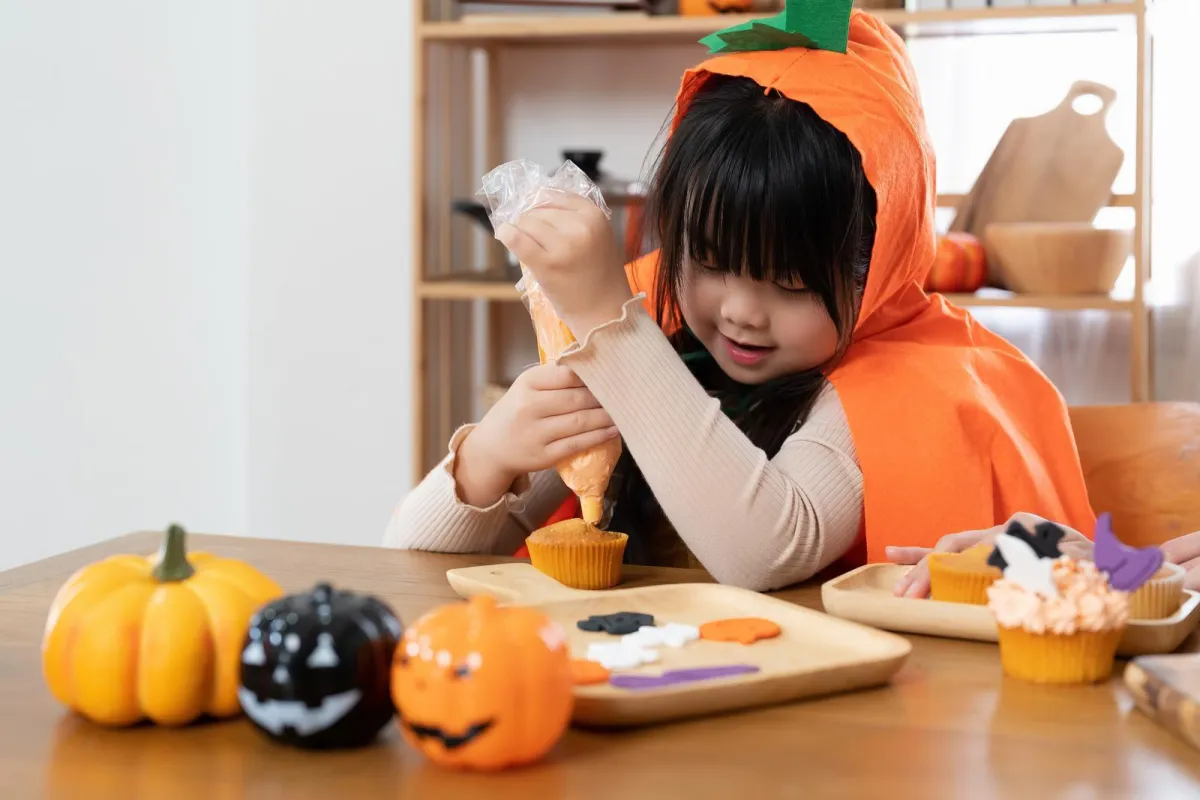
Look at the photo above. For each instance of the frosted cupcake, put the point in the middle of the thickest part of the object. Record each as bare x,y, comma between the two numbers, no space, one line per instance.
578,554
1068,636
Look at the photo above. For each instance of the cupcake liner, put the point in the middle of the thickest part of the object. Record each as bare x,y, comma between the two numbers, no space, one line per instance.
957,578
1160,596
581,565
1081,657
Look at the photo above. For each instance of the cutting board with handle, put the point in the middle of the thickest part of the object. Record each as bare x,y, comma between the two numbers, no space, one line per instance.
1167,689
1056,167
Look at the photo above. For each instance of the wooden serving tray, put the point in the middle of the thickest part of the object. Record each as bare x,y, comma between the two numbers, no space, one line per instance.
865,595
1167,689
815,654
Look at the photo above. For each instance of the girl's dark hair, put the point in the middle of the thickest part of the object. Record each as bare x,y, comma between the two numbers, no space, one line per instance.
757,184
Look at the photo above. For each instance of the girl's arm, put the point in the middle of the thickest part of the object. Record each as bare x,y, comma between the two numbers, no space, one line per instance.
434,517
751,521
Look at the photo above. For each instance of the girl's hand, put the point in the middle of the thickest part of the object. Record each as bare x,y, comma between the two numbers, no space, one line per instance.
546,416
1185,551
915,582
570,248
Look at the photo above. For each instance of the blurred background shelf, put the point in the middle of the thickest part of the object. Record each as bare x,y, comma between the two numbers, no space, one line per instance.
631,26
471,335
501,289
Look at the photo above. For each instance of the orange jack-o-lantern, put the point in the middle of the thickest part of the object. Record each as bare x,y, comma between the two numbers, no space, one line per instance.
483,687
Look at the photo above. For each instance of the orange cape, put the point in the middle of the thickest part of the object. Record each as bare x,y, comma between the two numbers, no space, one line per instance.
955,428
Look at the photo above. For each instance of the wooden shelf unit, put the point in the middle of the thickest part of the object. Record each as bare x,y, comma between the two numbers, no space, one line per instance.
611,28
443,49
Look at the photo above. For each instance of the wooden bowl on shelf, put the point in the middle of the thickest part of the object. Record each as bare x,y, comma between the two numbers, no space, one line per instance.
1057,257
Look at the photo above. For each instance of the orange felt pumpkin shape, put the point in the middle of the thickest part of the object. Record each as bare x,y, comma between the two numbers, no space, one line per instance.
478,686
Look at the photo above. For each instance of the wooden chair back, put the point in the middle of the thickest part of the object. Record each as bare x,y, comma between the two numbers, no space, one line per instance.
1142,463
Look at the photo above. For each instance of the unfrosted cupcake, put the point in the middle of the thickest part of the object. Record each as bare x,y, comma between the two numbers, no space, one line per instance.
1068,638
578,554
962,577
1159,597
1155,587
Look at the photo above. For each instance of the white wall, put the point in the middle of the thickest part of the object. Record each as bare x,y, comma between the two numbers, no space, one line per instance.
122,270
204,216
330,288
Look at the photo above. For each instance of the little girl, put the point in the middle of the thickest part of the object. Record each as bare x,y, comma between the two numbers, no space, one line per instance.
787,394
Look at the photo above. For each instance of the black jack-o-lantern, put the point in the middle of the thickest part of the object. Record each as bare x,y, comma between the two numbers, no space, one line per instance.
316,668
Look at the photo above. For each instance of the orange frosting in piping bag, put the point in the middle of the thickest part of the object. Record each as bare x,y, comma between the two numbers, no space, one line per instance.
587,473
510,190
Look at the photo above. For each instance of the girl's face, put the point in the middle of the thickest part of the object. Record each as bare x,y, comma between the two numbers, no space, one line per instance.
756,330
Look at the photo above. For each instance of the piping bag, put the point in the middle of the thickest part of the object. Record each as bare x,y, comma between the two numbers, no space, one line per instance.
510,190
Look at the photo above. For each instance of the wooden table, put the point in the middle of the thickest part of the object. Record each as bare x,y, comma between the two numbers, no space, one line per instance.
951,726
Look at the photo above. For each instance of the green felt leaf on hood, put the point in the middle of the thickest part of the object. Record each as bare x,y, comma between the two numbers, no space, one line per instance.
815,24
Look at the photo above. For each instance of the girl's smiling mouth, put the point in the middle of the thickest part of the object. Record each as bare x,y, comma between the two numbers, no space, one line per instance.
746,355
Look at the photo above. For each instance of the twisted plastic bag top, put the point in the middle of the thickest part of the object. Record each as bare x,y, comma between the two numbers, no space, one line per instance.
512,189
518,186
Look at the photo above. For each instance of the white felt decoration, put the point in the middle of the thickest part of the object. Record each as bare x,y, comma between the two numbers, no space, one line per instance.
1025,568
673,634
620,655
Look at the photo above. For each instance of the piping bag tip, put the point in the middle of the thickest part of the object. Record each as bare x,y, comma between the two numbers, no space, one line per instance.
595,511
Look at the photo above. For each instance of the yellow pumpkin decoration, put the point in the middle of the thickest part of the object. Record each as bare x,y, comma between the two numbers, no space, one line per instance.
153,637
484,687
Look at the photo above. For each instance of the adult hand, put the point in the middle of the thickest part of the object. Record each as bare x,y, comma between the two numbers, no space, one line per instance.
1185,551
570,248
547,415
915,583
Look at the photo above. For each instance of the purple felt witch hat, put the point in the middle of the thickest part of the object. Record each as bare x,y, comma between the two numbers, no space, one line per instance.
1127,567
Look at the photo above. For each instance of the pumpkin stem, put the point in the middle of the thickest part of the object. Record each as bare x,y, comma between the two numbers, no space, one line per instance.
172,557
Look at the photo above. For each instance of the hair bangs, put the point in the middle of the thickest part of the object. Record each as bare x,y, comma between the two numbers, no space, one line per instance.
759,202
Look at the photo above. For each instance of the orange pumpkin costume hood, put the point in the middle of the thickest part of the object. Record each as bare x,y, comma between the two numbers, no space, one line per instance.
955,429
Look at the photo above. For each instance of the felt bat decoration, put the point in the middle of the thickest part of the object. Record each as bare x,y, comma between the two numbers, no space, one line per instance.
1127,567
1044,540
815,24
1025,567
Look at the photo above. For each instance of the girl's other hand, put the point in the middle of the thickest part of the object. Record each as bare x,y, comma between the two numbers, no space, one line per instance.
915,582
1185,551
544,417
570,248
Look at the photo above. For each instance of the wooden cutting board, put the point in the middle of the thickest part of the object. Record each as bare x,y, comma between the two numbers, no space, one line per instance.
1167,689
1056,167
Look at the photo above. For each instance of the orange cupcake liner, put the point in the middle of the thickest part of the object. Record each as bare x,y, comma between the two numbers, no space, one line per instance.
961,583
1081,657
582,565
1159,597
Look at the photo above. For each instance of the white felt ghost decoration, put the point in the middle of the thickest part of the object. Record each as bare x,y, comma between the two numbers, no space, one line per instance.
620,655
673,634
1025,568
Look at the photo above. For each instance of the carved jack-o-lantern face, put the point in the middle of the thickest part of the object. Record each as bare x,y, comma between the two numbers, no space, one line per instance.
316,668
483,687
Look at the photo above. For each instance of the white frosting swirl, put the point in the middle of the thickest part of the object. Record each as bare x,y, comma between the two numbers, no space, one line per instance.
1085,603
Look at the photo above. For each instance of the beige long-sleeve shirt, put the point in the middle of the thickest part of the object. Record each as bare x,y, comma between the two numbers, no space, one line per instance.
750,521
